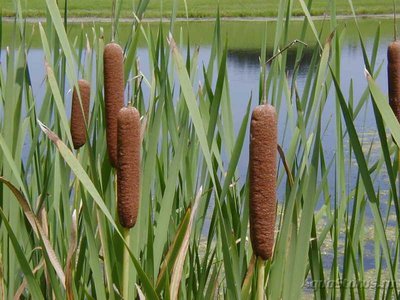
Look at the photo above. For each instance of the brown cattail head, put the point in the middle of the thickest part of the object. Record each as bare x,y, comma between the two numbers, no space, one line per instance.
114,94
128,169
263,148
78,119
393,55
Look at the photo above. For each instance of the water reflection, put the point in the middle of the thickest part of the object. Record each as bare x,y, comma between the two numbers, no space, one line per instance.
250,59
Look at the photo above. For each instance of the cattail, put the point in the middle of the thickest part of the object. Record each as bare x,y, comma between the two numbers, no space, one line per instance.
393,55
78,119
128,169
114,95
263,147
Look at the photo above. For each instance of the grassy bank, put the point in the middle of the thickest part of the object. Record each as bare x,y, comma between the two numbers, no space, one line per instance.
198,8
240,35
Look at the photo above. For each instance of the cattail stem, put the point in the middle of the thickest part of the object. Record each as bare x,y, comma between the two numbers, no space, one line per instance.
126,265
260,278
394,20
247,282
113,21
76,186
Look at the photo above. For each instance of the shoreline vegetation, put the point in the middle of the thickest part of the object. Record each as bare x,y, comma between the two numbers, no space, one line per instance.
198,9
89,19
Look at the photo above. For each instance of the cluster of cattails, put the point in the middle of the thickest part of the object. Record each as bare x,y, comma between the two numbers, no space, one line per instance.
123,136
393,55
122,132
123,144
262,165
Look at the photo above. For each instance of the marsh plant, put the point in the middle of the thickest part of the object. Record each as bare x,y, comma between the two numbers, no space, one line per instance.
60,233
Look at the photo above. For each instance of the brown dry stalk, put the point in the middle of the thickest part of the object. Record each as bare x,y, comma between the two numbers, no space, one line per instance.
78,119
128,170
262,164
114,94
393,55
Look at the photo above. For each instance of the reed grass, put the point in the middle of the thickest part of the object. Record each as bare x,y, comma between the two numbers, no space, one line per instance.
191,238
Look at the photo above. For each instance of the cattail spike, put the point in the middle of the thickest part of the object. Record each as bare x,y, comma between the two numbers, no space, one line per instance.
393,55
114,94
128,169
263,159
78,119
